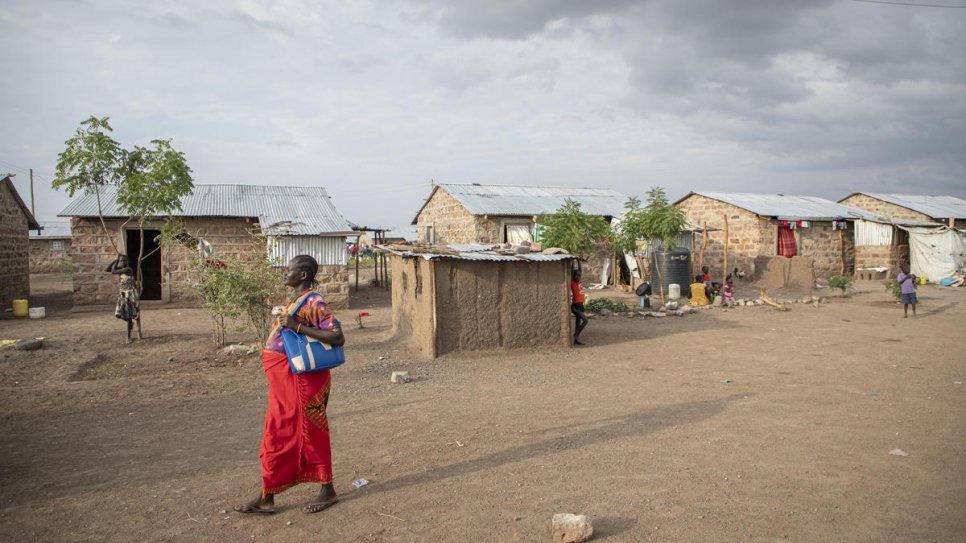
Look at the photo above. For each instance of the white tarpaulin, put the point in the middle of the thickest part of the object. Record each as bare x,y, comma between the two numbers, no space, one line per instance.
936,253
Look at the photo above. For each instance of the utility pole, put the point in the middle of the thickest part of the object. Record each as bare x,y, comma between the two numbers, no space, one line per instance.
33,210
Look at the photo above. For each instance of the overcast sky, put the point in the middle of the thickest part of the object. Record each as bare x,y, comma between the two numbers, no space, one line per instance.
374,99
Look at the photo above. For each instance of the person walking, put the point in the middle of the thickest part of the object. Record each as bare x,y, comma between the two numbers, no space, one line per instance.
295,443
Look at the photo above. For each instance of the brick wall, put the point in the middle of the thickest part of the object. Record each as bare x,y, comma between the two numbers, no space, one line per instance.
45,259
334,285
751,236
451,222
827,248
14,249
874,256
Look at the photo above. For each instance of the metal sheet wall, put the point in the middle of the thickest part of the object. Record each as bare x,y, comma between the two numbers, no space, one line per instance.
329,250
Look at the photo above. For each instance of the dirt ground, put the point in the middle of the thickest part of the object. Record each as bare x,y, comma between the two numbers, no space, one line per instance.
742,424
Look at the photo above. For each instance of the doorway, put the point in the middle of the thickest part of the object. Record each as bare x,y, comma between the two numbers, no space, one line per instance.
150,266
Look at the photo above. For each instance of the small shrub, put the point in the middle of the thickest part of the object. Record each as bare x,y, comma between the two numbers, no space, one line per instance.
66,268
841,282
597,304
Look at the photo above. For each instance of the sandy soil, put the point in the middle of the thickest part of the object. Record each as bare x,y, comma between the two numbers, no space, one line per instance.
745,424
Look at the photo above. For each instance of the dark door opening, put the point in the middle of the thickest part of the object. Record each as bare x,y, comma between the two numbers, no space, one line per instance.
150,266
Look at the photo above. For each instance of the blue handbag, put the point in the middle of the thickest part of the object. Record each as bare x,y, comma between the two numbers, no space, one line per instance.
306,355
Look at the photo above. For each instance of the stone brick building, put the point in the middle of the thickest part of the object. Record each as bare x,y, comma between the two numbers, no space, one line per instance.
477,213
49,254
911,207
821,230
223,222
16,221
883,242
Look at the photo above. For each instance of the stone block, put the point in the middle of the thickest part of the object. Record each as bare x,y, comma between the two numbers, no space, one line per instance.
570,528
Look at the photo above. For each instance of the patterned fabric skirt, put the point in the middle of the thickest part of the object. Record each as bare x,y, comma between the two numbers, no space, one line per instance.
128,302
295,444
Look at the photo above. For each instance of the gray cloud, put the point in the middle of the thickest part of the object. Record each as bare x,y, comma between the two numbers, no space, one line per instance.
373,99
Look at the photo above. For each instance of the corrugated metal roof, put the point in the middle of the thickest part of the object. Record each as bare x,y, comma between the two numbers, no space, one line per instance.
288,211
475,252
780,206
528,201
937,207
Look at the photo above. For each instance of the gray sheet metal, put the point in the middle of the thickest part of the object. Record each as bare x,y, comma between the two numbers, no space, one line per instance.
529,201
785,207
298,211
937,207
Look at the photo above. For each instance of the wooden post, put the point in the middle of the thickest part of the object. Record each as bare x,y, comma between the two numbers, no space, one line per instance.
842,248
33,210
692,255
724,276
614,269
704,244
357,266
384,261
952,218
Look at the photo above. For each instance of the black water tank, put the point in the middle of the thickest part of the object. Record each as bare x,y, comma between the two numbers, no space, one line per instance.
674,267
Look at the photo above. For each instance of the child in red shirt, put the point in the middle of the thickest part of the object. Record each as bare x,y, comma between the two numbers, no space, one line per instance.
577,305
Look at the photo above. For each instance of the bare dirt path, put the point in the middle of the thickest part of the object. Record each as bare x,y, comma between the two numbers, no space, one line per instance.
739,425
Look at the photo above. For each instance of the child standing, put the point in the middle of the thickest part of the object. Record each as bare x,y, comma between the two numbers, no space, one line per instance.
728,292
577,305
908,283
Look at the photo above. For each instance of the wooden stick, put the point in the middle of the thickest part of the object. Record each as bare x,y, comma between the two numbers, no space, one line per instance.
842,248
704,244
767,299
724,276
692,255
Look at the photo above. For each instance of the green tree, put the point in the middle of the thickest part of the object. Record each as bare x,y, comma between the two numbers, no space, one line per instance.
661,221
658,221
150,182
631,229
155,180
91,160
572,229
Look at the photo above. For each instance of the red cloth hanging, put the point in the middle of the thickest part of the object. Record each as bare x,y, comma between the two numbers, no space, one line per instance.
786,242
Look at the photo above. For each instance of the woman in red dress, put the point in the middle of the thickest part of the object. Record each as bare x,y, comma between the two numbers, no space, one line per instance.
295,444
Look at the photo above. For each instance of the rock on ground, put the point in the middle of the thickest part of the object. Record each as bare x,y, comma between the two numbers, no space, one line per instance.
570,528
400,377
28,344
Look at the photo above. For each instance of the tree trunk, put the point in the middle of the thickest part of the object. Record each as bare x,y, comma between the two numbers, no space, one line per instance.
100,215
704,244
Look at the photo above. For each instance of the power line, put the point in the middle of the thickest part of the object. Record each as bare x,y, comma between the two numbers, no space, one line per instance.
946,6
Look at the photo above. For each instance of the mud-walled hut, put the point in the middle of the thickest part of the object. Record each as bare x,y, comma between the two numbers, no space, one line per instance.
473,298
220,222
16,221
814,235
